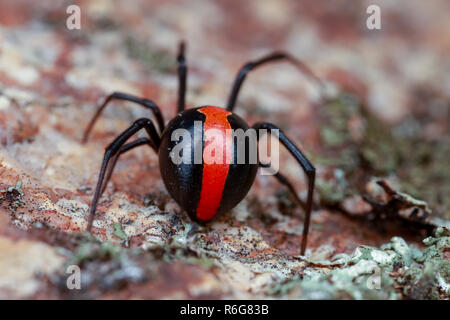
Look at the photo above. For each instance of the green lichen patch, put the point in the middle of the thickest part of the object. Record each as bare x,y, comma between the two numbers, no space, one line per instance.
333,190
151,58
13,195
118,232
424,171
355,138
104,266
360,145
187,255
394,271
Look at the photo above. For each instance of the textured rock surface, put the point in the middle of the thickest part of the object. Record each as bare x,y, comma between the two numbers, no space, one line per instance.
386,115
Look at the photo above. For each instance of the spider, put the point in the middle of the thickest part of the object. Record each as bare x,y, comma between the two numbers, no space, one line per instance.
203,190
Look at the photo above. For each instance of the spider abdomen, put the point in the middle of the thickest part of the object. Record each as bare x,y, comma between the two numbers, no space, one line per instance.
201,161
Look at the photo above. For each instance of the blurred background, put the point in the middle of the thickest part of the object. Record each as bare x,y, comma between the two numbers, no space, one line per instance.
385,113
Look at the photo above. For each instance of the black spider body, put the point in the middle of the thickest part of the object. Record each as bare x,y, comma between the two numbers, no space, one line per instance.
203,189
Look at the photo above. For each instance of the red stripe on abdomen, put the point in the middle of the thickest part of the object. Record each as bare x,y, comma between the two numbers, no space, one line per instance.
214,174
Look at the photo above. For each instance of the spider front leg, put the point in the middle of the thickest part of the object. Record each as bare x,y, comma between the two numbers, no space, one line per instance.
276,56
182,72
113,150
125,148
306,166
148,104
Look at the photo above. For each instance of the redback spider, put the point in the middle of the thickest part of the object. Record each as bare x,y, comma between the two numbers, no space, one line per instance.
203,190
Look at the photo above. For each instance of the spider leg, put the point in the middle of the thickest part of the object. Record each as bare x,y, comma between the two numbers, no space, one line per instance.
113,149
285,181
182,71
127,97
125,148
275,56
306,166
